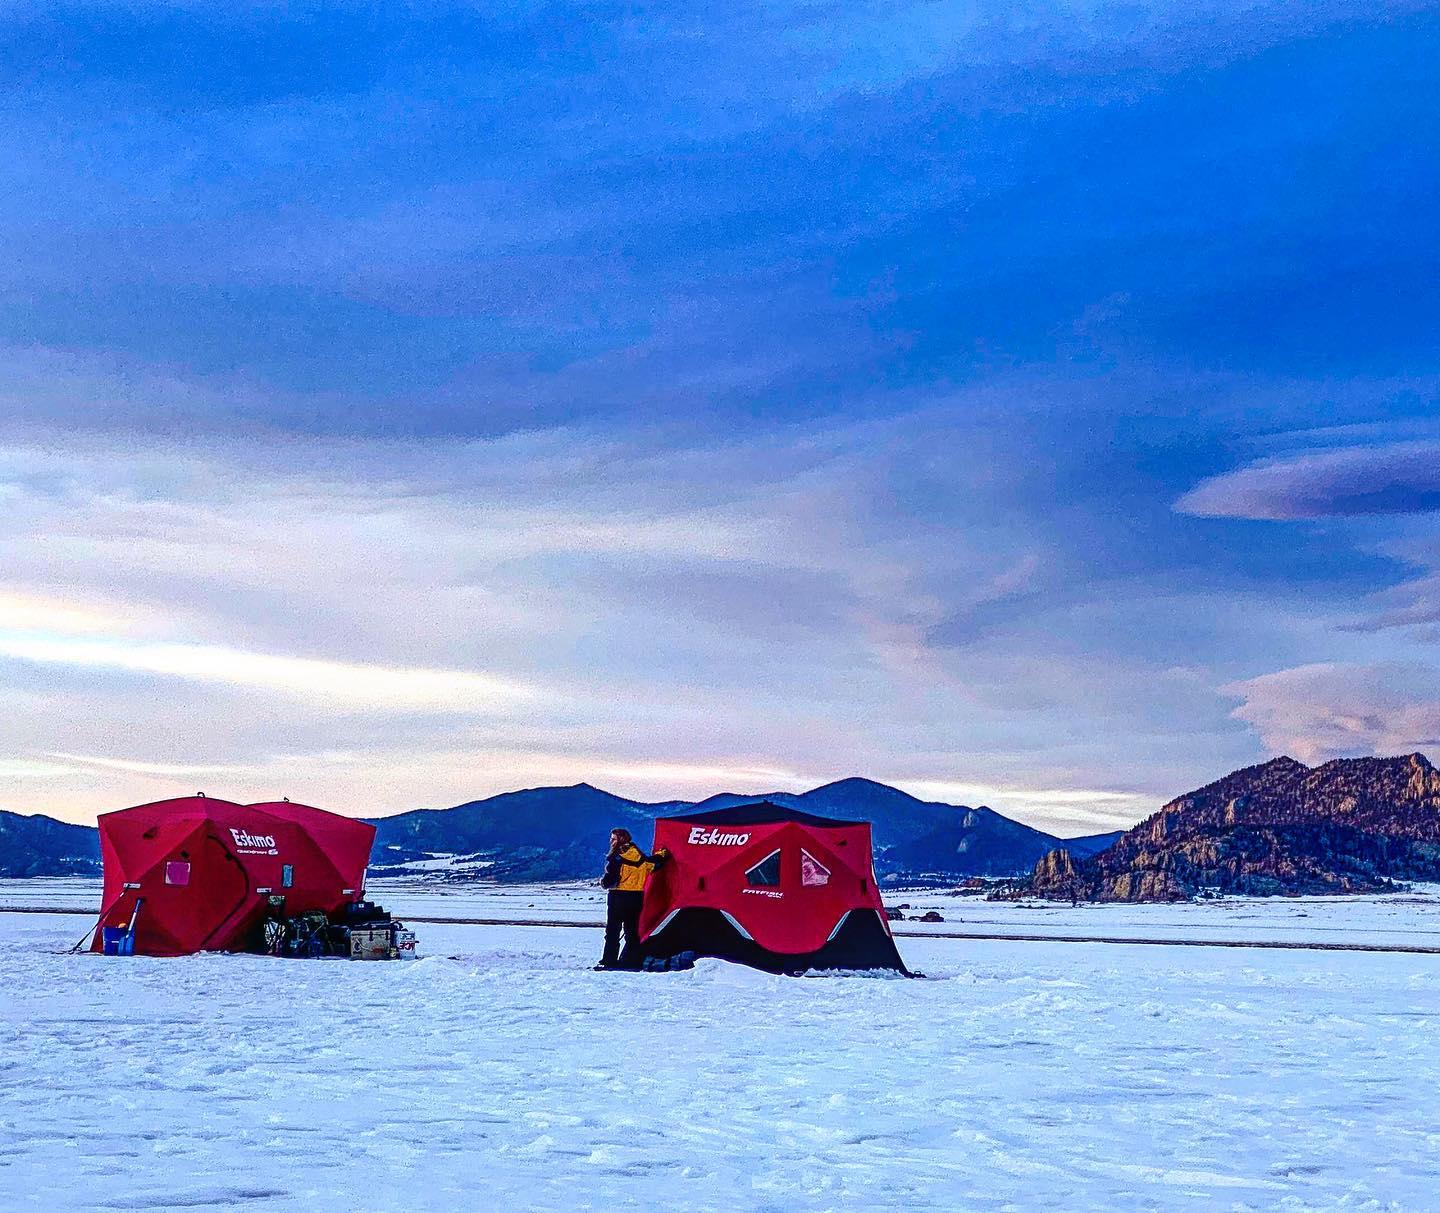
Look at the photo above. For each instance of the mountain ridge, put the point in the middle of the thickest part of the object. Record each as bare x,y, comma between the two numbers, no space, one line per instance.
37,845
559,833
914,839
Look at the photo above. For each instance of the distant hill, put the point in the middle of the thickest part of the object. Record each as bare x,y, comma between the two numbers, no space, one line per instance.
560,833
42,846
537,834
915,839
1353,825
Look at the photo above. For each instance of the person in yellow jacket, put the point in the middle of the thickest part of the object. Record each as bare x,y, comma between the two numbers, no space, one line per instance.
627,868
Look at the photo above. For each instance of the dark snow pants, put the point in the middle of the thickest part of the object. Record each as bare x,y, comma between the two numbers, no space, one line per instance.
622,913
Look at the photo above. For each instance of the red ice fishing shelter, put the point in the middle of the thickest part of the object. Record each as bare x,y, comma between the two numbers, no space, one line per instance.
768,886
206,872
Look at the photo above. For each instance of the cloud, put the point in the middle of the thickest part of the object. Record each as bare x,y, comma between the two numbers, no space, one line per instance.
1396,479
344,684
1330,710
408,623
775,388
68,762
32,612
1069,812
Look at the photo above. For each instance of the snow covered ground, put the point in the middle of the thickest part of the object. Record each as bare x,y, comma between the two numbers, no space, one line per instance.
1407,918
501,1073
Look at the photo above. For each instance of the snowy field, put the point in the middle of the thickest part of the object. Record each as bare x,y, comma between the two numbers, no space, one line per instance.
501,1073
1411,918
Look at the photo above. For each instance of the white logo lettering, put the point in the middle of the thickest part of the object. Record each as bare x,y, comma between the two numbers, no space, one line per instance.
701,837
252,842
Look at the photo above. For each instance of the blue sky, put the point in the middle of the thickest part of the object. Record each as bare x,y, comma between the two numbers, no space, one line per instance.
1027,405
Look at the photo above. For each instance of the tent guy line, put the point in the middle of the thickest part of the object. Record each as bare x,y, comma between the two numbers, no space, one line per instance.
983,937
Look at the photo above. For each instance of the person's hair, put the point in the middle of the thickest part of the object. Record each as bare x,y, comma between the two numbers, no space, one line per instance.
625,837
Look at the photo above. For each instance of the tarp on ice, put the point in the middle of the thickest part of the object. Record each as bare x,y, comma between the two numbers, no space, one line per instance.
776,888
208,872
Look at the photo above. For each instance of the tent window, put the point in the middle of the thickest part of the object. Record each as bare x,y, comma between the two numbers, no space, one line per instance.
813,873
287,875
766,873
177,871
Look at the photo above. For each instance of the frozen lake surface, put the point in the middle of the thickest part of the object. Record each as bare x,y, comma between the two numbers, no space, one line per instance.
501,1073
1411,918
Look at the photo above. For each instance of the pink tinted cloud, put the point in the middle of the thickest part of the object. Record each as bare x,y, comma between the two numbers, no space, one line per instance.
1328,710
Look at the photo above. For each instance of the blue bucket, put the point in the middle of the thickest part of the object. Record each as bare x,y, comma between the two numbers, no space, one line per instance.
117,941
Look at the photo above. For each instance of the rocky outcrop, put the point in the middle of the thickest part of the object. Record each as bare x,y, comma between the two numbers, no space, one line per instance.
1057,875
1349,826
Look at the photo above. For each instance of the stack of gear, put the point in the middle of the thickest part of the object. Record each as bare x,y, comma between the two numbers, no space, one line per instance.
364,931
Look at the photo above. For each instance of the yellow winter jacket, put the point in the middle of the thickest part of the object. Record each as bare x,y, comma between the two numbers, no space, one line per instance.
634,870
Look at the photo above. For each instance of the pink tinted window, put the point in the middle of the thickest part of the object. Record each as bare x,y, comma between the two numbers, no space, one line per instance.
177,871
812,871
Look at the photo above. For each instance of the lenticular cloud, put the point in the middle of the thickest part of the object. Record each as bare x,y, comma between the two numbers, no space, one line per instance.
1395,479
